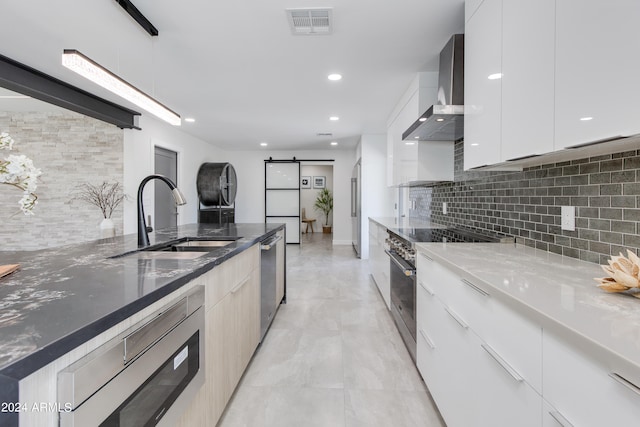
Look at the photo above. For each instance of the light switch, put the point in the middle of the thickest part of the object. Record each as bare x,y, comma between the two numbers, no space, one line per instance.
568,221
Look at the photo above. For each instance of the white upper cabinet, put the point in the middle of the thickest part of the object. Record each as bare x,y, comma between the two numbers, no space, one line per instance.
482,85
528,29
597,62
414,161
566,75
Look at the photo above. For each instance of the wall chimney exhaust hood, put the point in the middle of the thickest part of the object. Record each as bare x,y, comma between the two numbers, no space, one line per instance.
444,121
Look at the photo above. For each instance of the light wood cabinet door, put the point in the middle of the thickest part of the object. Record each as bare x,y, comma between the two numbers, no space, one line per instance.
246,324
597,85
232,335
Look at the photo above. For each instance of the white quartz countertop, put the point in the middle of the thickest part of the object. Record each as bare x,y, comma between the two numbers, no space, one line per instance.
404,222
559,292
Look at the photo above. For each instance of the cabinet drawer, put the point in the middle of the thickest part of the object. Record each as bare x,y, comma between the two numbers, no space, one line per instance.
227,275
584,391
435,278
447,356
517,339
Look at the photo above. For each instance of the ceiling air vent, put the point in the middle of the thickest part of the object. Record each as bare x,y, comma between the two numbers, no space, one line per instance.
310,21
324,134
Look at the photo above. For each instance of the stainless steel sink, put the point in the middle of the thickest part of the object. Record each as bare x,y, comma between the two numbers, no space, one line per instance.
204,243
183,248
165,255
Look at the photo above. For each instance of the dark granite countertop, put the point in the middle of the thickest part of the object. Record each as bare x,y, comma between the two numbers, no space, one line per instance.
64,296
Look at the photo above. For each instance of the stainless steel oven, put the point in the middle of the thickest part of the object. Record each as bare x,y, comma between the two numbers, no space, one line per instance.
403,290
147,376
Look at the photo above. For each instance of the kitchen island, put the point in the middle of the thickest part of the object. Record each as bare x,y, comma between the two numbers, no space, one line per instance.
63,297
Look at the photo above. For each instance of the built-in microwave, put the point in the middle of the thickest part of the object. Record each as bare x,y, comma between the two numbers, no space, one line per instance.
146,376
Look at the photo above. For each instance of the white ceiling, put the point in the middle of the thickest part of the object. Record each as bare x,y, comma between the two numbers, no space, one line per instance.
235,66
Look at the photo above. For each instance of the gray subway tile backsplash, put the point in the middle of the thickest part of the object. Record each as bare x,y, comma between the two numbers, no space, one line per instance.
605,190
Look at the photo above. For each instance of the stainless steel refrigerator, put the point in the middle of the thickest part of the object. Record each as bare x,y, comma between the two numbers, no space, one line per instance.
356,208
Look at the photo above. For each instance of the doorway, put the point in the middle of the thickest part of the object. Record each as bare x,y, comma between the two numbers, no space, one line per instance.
164,208
315,178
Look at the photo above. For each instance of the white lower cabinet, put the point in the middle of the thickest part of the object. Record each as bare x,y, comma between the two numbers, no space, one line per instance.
379,260
585,392
504,397
468,378
551,417
485,363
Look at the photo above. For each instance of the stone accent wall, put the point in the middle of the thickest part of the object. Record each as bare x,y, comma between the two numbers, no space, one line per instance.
605,191
70,149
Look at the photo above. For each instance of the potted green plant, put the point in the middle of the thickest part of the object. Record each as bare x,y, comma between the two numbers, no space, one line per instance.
324,204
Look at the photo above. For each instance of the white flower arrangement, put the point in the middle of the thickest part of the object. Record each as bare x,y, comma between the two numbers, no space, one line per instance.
19,171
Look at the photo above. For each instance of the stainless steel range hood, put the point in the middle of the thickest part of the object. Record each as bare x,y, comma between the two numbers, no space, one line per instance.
444,121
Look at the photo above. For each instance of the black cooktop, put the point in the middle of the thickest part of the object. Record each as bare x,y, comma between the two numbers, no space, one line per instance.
416,235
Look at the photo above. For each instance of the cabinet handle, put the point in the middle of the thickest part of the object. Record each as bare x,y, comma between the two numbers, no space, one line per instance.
425,256
625,382
239,285
426,288
560,419
475,288
502,362
428,340
456,318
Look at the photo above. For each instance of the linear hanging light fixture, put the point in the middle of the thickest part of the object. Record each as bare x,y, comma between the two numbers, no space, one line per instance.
89,69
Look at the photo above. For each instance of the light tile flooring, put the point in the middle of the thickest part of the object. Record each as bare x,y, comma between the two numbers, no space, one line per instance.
333,356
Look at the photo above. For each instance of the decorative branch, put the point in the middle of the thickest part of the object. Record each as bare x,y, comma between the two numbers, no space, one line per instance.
106,196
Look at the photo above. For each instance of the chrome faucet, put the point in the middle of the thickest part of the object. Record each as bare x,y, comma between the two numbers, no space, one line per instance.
143,235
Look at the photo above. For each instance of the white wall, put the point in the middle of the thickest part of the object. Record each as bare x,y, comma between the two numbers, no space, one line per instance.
249,167
139,162
377,198
308,196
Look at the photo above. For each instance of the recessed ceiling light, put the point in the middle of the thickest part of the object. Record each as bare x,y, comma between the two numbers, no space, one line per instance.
422,119
416,137
263,144
440,120
586,119
475,144
334,77
409,143
495,76
189,119
334,118
334,143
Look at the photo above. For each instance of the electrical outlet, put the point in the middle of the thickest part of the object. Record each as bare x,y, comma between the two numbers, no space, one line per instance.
568,218
444,208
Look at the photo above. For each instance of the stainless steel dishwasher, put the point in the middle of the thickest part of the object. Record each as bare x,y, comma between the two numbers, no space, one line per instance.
268,303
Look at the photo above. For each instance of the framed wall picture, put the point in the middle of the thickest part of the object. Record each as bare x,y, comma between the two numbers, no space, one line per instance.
318,182
305,182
